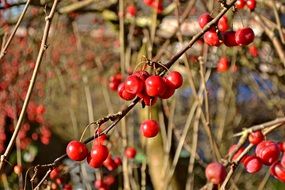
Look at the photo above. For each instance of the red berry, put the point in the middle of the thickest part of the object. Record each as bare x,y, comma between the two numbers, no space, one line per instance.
251,4
118,161
148,2
154,85
99,183
54,173
169,91
216,173
99,153
253,51
67,187
134,84
124,94
223,24
109,180
149,128
255,137
130,152
132,10
252,164
110,164
244,36
174,79
240,4
223,64
157,5
101,139
76,150
267,151
212,38
204,19
229,38
237,154
278,171
18,169
282,146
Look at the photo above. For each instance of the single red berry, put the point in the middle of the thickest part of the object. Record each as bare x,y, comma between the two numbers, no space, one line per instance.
251,4
253,51
18,169
130,152
149,128
174,79
223,24
255,137
237,154
278,171
204,19
268,152
132,10
110,164
216,173
154,86
134,84
223,64
148,2
99,153
229,38
113,85
124,94
54,173
252,164
212,38
244,36
76,150
118,160
240,4
109,180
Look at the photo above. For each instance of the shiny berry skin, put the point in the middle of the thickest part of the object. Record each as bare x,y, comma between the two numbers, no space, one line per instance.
99,153
223,24
223,64
124,94
216,173
282,161
255,137
54,173
132,10
149,128
229,38
134,84
251,4
130,152
76,150
240,4
268,152
93,162
204,19
174,79
244,36
18,169
169,91
278,171
154,85
252,164
211,38
237,154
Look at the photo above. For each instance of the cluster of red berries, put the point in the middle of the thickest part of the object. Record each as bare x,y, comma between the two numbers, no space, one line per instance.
57,180
266,153
251,4
243,36
155,4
